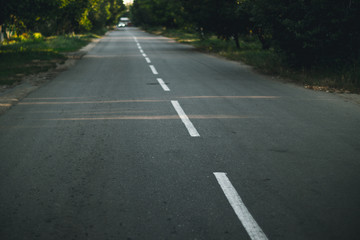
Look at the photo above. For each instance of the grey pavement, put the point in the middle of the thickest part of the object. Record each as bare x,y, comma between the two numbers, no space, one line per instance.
100,152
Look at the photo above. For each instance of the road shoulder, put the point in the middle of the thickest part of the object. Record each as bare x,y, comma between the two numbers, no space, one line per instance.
11,96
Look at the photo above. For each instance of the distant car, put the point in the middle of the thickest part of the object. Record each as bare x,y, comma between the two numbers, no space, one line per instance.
121,24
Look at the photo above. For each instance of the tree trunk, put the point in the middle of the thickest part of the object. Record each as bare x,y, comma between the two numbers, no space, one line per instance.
264,42
236,39
1,34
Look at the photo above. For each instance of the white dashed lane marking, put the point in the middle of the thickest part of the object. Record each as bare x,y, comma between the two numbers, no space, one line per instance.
184,118
153,69
249,223
163,85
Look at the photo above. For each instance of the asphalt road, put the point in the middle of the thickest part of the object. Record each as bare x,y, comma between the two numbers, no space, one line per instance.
216,151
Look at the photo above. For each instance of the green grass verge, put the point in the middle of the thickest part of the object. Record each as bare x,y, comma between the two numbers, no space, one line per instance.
15,65
344,78
19,58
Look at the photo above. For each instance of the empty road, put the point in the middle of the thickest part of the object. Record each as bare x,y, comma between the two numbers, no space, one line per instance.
145,138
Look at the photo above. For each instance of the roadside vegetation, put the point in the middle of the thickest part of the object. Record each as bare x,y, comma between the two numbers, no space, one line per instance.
314,43
32,54
36,34
344,78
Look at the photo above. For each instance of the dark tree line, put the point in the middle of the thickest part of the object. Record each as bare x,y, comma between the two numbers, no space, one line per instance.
167,13
59,16
310,31
305,31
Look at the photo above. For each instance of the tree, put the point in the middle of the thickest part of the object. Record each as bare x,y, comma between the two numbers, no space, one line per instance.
59,16
117,7
69,15
202,14
234,20
18,13
167,13
311,31
227,19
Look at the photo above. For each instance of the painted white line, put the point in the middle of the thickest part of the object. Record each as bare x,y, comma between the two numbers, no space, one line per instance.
249,223
144,55
163,85
141,51
148,60
184,118
153,70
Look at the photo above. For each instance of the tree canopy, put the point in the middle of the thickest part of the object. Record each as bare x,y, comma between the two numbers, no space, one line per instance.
60,16
305,31
167,13
311,30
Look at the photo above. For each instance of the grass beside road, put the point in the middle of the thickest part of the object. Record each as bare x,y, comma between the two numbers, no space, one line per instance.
342,78
33,54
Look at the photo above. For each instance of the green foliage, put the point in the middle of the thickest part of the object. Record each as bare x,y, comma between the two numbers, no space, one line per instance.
101,13
14,65
307,35
167,13
300,35
36,54
67,43
343,78
116,10
323,32
227,19
25,57
59,16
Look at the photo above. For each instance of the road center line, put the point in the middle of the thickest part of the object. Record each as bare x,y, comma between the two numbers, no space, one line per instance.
148,60
163,85
144,55
184,118
153,69
249,223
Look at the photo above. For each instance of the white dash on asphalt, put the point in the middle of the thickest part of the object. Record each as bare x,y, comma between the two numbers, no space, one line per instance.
153,70
184,118
249,223
144,55
142,51
148,60
163,85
